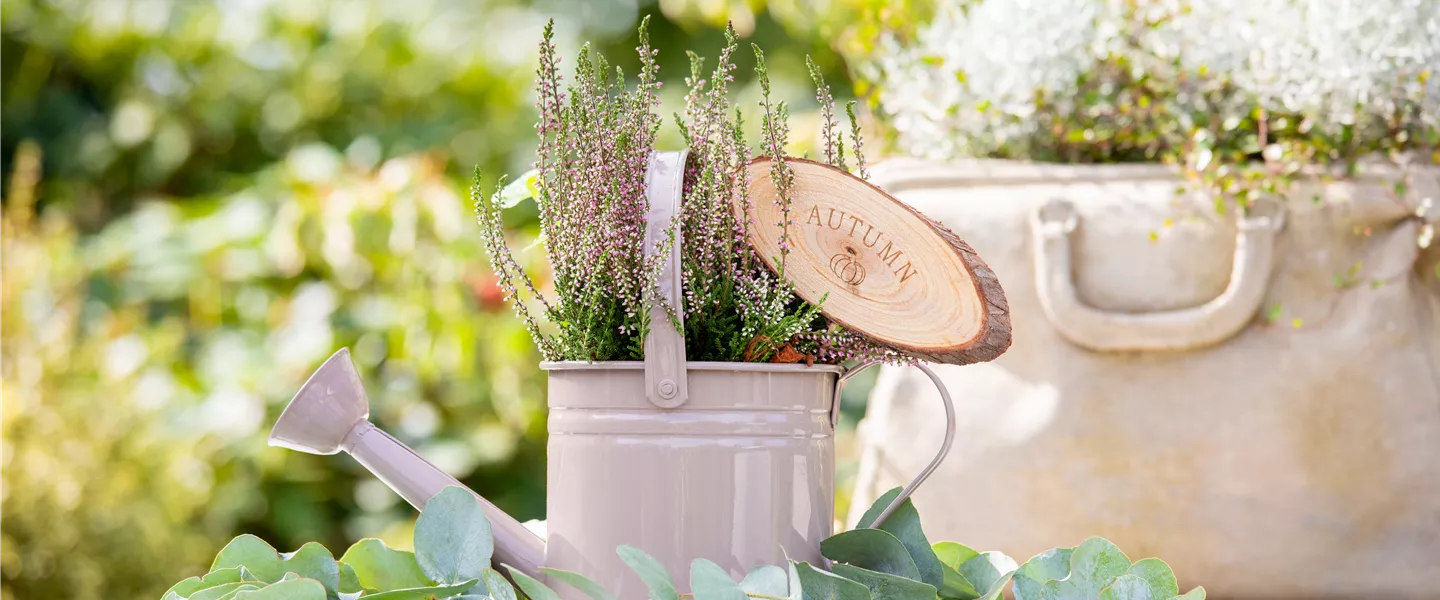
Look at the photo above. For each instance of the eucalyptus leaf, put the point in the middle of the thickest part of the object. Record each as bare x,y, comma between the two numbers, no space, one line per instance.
261,559
904,523
382,568
884,586
989,572
819,585
253,553
194,584
768,580
1127,587
873,549
533,589
1196,594
496,584
427,592
220,591
349,581
662,587
452,537
313,561
293,589
247,586
1158,575
1095,563
580,582
953,554
797,591
710,582
1050,565
955,586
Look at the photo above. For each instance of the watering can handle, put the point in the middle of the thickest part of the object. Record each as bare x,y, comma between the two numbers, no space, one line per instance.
939,456
665,382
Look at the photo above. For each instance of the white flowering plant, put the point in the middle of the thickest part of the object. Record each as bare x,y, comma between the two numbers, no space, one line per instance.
1241,93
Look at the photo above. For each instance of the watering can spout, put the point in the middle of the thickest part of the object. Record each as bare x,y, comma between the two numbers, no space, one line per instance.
331,413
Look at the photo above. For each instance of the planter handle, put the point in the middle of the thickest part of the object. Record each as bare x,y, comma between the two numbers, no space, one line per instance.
665,382
1204,325
939,456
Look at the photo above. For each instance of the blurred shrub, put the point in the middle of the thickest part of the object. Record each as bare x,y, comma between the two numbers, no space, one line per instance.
143,366
131,98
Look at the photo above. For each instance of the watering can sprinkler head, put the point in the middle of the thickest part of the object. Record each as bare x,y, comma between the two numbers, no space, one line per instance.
331,413
325,410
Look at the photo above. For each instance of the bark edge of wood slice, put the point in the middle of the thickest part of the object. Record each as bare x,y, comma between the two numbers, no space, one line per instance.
885,270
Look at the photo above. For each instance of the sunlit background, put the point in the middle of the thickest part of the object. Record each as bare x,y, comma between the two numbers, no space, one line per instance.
203,200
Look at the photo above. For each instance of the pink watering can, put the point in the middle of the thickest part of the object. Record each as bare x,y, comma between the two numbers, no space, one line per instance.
732,462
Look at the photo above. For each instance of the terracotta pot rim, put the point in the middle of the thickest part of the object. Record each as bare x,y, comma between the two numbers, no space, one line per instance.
738,367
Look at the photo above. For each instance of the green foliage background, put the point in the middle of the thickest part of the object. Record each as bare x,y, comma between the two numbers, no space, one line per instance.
205,199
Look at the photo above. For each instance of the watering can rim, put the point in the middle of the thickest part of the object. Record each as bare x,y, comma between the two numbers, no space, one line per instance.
580,365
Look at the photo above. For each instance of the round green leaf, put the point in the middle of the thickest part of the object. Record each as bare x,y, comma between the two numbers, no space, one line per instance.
253,553
580,582
194,584
662,587
768,580
1158,576
261,560
496,584
819,585
710,582
989,572
1095,563
349,582
313,561
249,585
452,537
293,589
904,524
873,549
1050,565
382,568
952,554
223,590
1127,587
955,586
886,587
1196,594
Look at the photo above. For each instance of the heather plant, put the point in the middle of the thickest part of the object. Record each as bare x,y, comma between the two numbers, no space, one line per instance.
596,140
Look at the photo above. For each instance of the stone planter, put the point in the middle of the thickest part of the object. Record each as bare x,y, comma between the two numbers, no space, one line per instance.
1254,398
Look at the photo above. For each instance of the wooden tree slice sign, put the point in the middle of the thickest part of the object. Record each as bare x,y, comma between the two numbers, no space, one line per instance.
883,269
